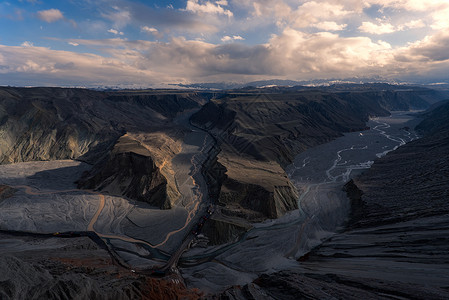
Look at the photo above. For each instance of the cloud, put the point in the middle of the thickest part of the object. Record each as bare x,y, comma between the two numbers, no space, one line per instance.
228,38
50,15
289,39
27,44
327,53
119,17
43,66
138,15
148,29
116,32
385,28
151,30
409,5
313,12
208,7
373,28
433,48
324,15
330,26
440,18
291,54
413,24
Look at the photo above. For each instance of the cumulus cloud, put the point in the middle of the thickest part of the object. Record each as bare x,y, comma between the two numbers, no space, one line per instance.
228,38
373,28
440,18
53,15
433,48
149,29
384,28
114,31
208,7
413,24
330,26
50,15
328,53
324,15
313,12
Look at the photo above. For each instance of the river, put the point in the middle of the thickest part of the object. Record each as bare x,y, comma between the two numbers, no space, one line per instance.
319,174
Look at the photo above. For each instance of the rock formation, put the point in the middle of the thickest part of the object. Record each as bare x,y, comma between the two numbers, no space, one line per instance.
260,131
394,245
131,170
58,123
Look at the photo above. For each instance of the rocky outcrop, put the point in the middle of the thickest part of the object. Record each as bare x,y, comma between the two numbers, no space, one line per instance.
221,229
131,170
269,201
357,205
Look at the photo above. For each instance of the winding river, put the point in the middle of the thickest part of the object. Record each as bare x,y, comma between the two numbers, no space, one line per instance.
319,174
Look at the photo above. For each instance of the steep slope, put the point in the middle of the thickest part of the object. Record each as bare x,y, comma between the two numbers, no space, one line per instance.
396,243
43,124
435,120
57,123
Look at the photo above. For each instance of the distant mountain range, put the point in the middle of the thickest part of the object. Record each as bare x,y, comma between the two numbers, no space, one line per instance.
281,82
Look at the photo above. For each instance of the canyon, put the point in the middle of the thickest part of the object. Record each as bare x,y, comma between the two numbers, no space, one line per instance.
160,172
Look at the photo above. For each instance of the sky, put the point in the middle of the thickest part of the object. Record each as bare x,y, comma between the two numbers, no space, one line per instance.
154,43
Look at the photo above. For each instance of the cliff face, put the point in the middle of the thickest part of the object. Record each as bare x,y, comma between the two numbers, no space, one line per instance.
131,170
255,190
221,229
